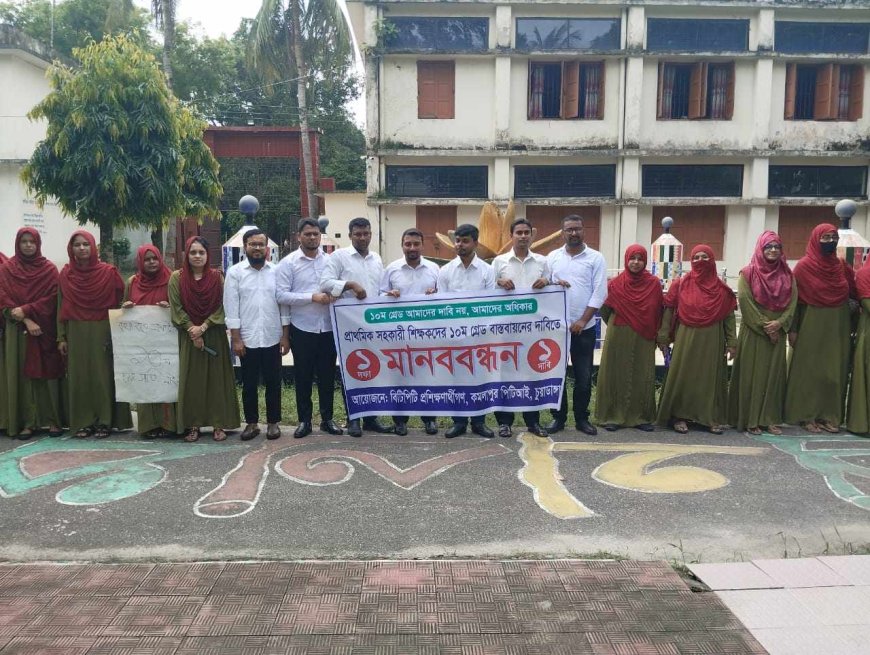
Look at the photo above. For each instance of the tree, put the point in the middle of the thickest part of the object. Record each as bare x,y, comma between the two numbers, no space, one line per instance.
284,38
119,149
164,17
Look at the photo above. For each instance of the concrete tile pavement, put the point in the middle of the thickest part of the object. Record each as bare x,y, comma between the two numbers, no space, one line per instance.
473,607
798,606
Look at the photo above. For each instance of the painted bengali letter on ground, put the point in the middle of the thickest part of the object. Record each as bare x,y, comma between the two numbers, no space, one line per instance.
145,349
458,354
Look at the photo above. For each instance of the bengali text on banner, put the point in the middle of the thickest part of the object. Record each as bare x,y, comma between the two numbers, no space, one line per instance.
459,354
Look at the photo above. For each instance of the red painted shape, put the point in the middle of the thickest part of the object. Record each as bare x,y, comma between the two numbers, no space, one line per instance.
544,355
309,467
363,365
39,464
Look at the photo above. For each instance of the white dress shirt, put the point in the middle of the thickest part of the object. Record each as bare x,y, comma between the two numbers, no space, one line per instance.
454,276
347,265
250,305
523,272
587,274
298,280
408,280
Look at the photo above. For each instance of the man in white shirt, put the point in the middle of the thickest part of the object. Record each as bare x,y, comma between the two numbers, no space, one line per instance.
583,272
466,272
259,331
409,276
521,269
311,341
356,272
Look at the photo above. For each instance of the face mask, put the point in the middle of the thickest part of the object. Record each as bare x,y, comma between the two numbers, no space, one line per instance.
829,248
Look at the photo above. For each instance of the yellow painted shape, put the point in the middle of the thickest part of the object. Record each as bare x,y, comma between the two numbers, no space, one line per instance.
540,471
632,470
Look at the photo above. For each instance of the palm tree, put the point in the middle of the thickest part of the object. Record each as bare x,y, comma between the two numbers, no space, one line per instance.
287,35
164,18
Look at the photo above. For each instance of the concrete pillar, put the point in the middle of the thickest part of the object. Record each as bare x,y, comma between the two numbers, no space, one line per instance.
503,26
501,179
628,233
630,183
634,102
761,104
502,100
635,30
765,27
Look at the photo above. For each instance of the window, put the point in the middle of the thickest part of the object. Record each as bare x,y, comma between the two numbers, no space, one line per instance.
437,181
689,35
824,92
547,219
566,89
568,33
699,90
693,226
432,219
438,34
435,89
817,181
564,181
710,181
845,38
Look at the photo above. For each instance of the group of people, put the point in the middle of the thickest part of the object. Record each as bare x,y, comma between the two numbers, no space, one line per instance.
56,366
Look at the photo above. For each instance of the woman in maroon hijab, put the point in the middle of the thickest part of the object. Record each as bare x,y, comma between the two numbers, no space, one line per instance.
89,288
767,294
28,301
702,306
150,286
820,335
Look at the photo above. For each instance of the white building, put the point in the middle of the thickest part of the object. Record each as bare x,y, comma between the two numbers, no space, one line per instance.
732,117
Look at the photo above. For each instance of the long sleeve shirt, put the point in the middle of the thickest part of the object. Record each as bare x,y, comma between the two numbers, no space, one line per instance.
250,305
455,276
586,273
523,272
298,280
409,280
347,265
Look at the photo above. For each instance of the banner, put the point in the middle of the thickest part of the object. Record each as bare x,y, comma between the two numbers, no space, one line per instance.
145,352
458,354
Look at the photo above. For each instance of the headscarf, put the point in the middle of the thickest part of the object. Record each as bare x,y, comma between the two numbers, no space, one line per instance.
636,297
31,283
89,291
770,282
700,297
200,298
822,280
148,289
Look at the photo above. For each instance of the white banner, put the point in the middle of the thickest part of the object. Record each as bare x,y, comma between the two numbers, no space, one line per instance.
145,352
459,354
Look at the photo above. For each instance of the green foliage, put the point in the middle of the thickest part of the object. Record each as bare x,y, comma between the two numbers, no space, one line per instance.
119,149
121,249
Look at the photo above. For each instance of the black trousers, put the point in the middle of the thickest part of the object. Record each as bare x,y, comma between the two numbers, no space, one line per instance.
507,418
398,420
582,350
464,420
265,363
313,355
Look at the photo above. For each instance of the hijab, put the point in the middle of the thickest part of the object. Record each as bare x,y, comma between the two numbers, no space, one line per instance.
770,282
89,290
150,289
822,280
31,283
700,297
636,297
200,298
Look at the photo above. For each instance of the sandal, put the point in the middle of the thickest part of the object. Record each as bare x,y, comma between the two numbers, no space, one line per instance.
756,430
101,432
774,429
55,431
827,426
681,427
84,433
811,427
716,429
192,435
219,435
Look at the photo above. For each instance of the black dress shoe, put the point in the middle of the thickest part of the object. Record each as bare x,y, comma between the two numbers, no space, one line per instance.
353,428
303,430
586,427
431,427
504,431
537,430
273,431
611,427
646,427
482,430
251,430
555,426
401,429
374,425
330,427
455,430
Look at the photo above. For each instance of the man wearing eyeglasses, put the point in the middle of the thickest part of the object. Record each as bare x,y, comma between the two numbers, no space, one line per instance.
259,330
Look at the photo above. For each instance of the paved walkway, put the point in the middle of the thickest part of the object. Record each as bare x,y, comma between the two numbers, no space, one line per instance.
799,606
374,607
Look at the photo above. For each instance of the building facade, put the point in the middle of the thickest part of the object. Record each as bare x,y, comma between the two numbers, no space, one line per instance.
730,116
